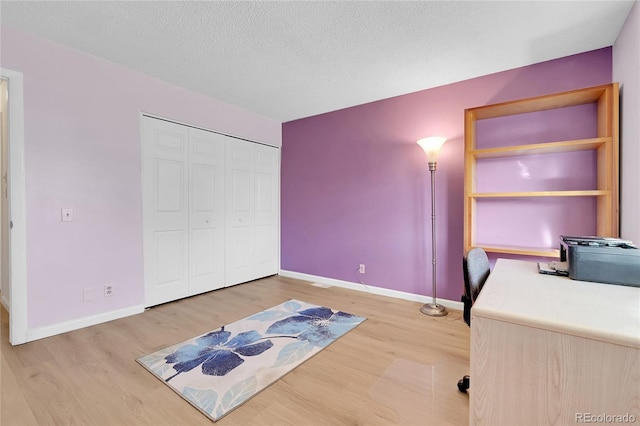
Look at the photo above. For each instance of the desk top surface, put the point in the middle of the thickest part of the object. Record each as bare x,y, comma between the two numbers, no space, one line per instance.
515,292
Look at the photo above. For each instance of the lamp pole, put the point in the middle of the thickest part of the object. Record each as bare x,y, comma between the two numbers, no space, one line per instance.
431,147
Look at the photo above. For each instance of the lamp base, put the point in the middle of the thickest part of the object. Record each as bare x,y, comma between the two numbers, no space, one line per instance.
434,310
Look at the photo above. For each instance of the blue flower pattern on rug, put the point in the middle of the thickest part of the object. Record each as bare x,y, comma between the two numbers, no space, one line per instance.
319,326
216,353
219,370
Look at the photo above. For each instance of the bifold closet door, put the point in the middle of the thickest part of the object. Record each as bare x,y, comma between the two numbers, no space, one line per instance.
267,208
206,211
252,211
183,208
210,210
165,187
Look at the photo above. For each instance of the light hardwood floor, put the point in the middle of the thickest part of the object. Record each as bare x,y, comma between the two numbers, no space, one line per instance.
398,367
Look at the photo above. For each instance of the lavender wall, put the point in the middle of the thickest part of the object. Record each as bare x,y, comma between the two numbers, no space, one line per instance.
82,150
626,70
355,186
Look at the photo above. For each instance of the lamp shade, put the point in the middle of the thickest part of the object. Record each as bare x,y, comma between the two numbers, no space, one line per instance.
432,146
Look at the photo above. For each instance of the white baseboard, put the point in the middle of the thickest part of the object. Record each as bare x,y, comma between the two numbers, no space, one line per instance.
63,327
371,289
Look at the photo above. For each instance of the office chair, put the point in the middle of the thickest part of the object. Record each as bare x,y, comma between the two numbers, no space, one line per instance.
475,266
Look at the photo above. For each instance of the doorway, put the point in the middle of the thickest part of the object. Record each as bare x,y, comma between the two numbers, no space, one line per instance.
4,201
13,254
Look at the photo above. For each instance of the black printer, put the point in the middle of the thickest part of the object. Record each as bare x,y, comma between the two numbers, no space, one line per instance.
601,259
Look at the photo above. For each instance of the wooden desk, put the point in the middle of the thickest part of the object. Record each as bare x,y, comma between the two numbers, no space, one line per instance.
550,350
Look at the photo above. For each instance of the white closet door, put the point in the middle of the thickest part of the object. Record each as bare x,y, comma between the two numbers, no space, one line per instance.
210,210
165,210
206,211
266,179
240,212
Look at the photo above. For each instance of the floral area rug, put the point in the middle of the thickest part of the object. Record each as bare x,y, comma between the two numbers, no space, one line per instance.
219,370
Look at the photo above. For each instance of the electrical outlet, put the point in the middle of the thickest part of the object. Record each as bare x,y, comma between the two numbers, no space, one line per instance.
108,290
361,268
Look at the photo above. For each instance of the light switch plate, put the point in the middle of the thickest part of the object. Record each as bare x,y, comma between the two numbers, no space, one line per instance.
67,215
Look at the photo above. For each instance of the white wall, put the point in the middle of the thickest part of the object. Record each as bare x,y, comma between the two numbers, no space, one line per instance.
626,71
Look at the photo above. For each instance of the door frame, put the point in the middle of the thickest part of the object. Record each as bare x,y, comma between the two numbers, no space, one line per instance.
18,330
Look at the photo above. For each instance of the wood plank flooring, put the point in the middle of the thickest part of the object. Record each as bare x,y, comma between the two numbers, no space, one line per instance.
398,367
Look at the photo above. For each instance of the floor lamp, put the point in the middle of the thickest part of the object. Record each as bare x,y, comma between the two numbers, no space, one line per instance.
431,147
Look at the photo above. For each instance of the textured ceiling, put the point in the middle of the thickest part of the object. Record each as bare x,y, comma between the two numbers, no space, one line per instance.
289,60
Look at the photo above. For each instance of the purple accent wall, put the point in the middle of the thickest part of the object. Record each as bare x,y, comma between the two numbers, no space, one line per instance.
82,151
356,189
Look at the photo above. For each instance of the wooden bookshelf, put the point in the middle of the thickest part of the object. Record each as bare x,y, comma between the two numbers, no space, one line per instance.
605,145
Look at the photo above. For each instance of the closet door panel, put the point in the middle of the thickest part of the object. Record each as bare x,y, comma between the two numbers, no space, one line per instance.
265,256
202,255
165,210
266,210
206,211
240,252
169,247
240,208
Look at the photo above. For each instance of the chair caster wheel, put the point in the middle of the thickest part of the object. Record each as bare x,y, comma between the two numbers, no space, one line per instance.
463,384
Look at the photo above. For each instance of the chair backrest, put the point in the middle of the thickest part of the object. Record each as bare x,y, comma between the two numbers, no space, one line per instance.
475,266
476,271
